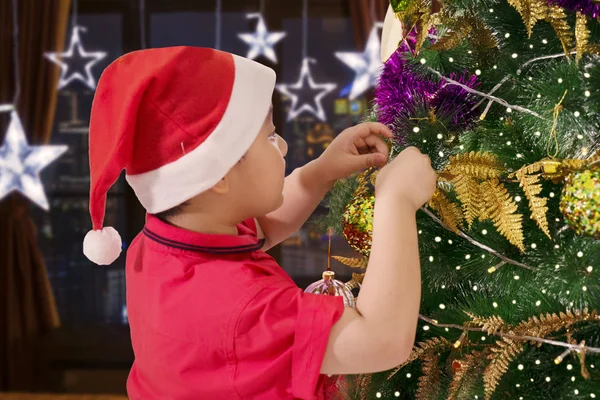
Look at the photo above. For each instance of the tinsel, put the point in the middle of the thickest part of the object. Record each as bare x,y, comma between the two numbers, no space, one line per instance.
590,8
401,90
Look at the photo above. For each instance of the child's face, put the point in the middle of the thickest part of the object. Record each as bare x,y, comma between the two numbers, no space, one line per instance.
257,180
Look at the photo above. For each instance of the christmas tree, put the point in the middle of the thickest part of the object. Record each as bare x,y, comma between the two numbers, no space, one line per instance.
504,97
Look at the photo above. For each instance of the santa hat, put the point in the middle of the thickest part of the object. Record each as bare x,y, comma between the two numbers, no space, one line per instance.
176,119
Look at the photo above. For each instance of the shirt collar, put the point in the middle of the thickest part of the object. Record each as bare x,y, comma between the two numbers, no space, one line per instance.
172,236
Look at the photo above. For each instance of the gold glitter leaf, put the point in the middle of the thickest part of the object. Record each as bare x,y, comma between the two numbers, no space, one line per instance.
436,344
481,34
466,377
582,35
489,324
428,386
500,208
453,37
468,192
558,20
593,49
532,188
352,262
477,165
449,212
422,26
531,12
501,356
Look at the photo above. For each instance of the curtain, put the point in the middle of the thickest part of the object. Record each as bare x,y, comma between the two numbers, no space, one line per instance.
27,307
362,14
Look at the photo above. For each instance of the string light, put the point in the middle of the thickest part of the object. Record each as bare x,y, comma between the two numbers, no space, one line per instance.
589,269
397,394
584,288
520,367
516,277
426,327
560,358
587,93
460,339
579,254
552,194
569,367
538,303
544,41
537,362
495,304
408,375
560,80
378,395
515,55
451,59
478,72
548,379
423,61
442,306
468,257
416,129
514,302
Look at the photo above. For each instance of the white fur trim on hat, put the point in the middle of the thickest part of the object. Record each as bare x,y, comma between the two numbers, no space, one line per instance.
201,168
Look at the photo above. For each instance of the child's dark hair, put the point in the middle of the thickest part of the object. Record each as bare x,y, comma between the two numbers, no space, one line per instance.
166,215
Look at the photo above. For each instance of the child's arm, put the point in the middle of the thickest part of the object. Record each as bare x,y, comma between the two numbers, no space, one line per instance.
379,334
353,150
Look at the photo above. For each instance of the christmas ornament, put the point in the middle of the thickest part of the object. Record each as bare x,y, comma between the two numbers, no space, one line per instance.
580,202
316,92
456,365
20,164
331,286
358,223
75,57
261,42
366,65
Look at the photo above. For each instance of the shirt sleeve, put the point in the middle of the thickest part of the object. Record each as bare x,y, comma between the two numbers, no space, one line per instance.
280,342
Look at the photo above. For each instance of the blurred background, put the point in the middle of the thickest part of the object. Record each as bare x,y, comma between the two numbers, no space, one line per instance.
63,320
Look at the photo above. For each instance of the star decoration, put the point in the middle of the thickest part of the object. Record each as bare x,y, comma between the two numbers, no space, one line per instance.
366,65
311,104
261,41
81,62
20,164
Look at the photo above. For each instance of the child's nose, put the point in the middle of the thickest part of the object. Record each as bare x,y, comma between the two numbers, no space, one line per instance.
283,146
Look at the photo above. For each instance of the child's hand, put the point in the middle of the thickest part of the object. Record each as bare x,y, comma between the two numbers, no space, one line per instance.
409,177
355,149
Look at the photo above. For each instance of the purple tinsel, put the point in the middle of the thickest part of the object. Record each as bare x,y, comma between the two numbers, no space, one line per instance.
587,7
400,91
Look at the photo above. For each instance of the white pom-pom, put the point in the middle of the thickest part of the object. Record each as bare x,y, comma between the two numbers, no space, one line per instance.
102,247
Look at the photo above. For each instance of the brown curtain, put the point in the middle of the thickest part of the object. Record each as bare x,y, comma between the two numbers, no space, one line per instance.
27,307
362,13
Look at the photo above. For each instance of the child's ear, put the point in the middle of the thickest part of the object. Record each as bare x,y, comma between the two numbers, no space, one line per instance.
222,187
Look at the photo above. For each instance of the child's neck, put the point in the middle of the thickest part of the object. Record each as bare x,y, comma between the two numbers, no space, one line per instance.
201,223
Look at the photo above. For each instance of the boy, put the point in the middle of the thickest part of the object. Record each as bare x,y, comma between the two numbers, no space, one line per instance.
212,316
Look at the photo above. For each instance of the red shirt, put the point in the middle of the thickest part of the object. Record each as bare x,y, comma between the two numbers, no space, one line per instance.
214,317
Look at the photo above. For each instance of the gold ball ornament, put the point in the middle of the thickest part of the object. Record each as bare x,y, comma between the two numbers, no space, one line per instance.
580,202
357,223
332,287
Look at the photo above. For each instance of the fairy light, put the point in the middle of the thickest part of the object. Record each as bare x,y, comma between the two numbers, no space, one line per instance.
495,67
519,155
572,379
560,80
509,110
556,266
537,362
584,288
557,246
517,198
378,395
568,292
416,129
430,258
592,395
560,358
552,194
441,154
450,242
442,306
544,291
538,303
539,96
447,330
514,55
438,239
576,391
507,35
587,93
397,394
495,304
478,72
423,61
569,366
483,338
475,288
580,254
587,75
544,41
484,232
580,136
426,327
531,46
508,143
491,270
468,257
440,136
517,277
514,302
458,267
408,375
520,367
460,339
443,286
577,113
451,59
589,269
537,133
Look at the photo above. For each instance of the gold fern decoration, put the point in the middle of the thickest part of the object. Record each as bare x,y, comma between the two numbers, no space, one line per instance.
422,26
502,354
459,31
477,165
558,20
532,188
352,262
501,208
428,386
489,324
582,35
531,12
449,212
468,192
593,49
466,377
436,344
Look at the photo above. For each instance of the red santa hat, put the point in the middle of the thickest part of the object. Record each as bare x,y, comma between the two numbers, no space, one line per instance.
176,119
